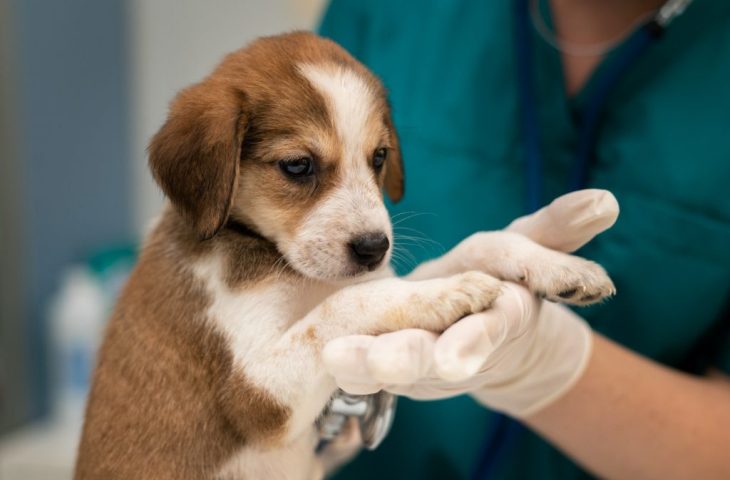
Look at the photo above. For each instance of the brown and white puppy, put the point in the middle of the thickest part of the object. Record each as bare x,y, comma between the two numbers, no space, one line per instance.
275,241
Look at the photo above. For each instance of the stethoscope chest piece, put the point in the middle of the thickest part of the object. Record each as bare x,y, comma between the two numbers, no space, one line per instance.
374,413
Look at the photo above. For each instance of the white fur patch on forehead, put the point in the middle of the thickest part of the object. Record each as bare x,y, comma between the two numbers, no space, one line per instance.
350,100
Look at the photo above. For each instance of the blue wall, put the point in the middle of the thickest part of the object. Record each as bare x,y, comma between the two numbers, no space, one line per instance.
73,99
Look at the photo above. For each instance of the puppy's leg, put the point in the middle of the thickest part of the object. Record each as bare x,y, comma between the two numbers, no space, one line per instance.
557,276
291,372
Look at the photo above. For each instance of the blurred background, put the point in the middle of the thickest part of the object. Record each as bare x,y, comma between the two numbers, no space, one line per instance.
83,86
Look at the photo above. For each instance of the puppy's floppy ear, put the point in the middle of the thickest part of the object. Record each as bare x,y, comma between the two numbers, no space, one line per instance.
394,172
194,156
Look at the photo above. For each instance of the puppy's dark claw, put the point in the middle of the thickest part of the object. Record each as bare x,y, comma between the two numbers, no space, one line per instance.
568,293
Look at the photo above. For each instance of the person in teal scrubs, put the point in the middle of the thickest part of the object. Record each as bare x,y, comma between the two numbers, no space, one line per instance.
662,147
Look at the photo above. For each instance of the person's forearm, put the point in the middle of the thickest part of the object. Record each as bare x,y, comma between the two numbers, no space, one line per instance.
628,417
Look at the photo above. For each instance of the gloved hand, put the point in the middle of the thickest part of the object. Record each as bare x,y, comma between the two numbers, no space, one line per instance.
516,357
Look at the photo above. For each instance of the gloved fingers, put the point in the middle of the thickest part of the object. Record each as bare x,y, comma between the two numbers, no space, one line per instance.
570,221
363,364
402,357
463,349
345,359
431,388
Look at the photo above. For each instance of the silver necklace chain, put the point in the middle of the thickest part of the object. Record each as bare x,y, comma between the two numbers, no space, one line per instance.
579,49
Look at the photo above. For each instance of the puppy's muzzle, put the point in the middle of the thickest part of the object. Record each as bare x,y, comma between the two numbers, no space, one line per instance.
368,250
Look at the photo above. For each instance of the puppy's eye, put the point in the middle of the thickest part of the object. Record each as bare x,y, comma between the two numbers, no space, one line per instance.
298,168
379,157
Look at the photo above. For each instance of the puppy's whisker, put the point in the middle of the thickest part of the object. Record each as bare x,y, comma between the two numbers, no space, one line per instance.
406,255
397,264
423,243
405,262
399,214
402,246
278,268
408,216
415,234
401,228
399,237
274,267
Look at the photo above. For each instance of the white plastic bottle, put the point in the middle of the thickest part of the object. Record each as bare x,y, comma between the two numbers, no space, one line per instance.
77,314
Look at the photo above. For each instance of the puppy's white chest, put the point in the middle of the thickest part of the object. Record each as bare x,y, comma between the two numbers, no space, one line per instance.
252,317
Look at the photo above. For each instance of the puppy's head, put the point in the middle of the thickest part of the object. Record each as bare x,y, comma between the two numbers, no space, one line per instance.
292,137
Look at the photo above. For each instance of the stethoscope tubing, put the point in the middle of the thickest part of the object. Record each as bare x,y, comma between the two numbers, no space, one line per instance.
590,116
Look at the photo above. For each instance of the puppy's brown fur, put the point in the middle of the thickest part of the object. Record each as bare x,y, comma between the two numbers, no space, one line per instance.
159,391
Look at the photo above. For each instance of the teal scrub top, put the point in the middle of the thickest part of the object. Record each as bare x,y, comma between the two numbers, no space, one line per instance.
663,150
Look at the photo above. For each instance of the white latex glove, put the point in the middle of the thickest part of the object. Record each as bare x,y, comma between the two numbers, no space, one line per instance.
516,357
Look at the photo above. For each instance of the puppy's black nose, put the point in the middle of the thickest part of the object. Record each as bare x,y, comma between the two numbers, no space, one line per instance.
368,250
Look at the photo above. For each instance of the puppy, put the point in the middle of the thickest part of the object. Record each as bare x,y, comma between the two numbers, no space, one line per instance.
275,241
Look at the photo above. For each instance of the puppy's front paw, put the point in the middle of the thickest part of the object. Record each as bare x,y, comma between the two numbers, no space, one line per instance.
473,292
569,279
455,297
